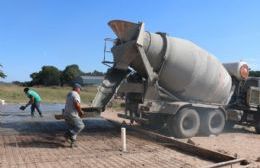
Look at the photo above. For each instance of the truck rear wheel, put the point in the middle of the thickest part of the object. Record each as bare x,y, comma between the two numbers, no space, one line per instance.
213,122
184,124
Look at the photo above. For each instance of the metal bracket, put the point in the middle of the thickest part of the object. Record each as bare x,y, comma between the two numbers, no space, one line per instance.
140,38
150,72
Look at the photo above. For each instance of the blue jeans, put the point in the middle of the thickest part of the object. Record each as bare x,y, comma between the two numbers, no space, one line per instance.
36,106
75,125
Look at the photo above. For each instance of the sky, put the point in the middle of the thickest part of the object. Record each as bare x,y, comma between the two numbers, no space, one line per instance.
35,33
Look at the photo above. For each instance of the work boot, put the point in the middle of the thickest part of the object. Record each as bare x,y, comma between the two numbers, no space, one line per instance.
73,143
67,135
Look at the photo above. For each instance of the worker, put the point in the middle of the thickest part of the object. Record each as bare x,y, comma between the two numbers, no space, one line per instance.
35,101
72,114
132,100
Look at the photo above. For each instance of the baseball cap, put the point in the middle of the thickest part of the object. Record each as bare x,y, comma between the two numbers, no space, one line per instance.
76,85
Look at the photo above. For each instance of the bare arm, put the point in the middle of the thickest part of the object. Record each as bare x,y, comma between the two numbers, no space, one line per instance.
31,101
78,108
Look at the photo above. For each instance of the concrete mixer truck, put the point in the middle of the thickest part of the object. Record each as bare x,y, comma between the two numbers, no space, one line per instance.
171,82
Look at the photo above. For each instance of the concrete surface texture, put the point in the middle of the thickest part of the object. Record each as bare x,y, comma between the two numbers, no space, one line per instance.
38,142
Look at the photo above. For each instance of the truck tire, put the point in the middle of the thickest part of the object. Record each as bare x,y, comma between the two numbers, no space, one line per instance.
213,122
184,124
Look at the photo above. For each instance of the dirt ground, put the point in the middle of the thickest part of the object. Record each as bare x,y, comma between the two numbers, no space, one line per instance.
38,142
241,142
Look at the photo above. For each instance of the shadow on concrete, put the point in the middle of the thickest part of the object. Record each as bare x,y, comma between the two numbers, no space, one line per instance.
49,134
39,143
52,127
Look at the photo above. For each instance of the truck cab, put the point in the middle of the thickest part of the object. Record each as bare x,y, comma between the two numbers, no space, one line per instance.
244,107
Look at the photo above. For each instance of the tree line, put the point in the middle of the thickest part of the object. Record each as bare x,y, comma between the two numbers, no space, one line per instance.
254,73
52,76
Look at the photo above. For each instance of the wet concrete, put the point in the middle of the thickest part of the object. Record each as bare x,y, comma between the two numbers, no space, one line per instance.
13,120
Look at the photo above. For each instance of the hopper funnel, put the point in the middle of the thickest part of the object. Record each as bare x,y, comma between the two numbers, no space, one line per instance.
124,30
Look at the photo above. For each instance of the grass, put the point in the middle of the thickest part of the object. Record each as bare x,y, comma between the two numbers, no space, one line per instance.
14,94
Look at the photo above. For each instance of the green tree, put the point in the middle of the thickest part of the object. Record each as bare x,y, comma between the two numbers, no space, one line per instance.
2,74
48,76
254,73
95,73
70,73
35,78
